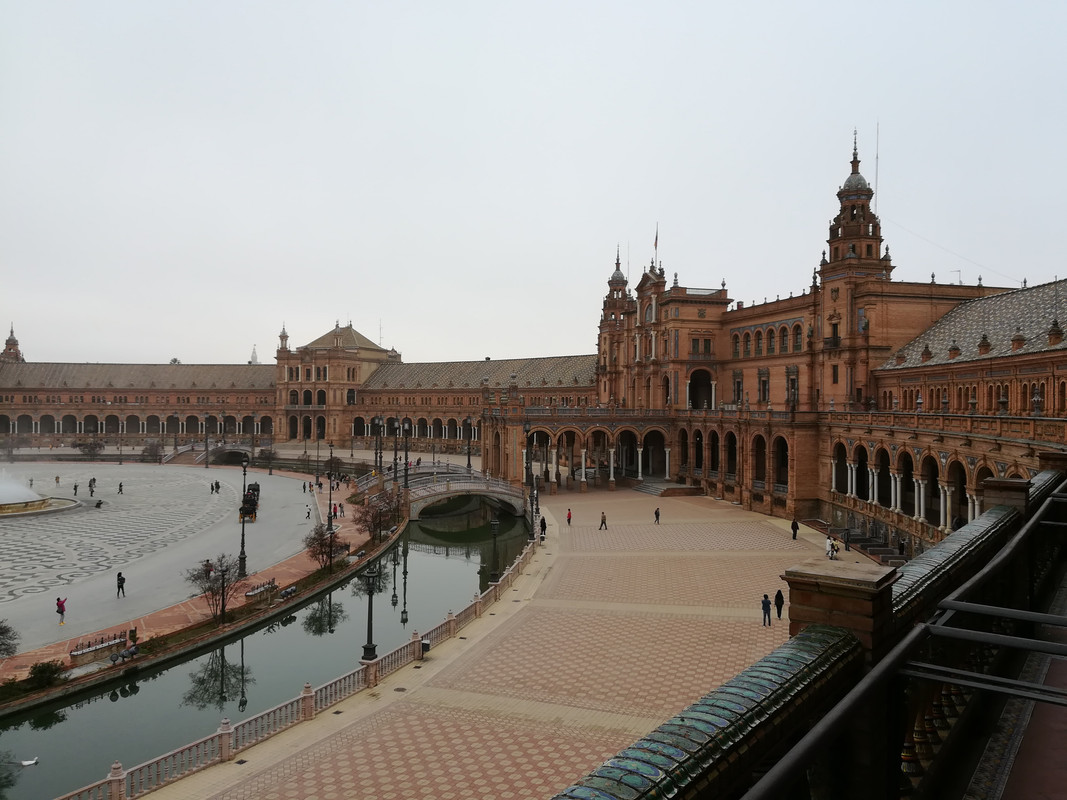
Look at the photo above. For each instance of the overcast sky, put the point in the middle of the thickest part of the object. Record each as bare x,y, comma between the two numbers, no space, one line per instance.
180,179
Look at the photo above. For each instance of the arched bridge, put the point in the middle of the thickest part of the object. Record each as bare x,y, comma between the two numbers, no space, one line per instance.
432,483
446,486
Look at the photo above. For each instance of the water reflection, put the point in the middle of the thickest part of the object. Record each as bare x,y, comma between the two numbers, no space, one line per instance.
428,573
217,680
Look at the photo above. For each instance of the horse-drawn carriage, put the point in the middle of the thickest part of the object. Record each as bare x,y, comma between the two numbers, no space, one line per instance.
249,503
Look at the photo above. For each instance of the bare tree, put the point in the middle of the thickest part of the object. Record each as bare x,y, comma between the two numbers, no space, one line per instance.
322,547
9,639
373,514
217,581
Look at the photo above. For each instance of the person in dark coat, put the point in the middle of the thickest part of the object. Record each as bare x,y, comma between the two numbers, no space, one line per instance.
779,602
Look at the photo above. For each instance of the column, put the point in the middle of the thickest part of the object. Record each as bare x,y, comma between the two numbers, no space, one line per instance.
640,452
873,493
524,465
552,461
611,464
970,507
667,474
942,515
583,465
833,475
688,401
851,479
920,498
892,492
714,396
949,492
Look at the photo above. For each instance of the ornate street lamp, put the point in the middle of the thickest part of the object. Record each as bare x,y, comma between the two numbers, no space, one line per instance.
370,583
222,613
407,433
470,435
377,422
242,560
329,503
243,704
494,530
396,452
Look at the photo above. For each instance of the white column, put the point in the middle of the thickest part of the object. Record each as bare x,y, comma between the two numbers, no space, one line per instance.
611,463
979,500
667,475
949,492
583,465
833,475
552,461
851,480
873,486
942,515
714,395
970,507
920,498
640,451
688,401
892,492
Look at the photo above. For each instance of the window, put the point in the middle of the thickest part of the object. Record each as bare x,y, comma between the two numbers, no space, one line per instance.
737,346
707,347
759,343
770,342
797,347
748,345
696,345
833,373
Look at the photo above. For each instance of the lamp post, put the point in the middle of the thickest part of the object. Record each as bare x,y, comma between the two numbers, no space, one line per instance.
370,582
242,560
404,608
396,562
243,704
329,503
396,454
207,446
317,462
470,435
222,613
494,530
377,421
529,476
407,433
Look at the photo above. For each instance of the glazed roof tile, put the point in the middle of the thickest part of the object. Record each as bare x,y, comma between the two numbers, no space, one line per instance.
136,377
1027,312
561,371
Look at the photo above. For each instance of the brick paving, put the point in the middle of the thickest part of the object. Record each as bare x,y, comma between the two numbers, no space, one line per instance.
603,637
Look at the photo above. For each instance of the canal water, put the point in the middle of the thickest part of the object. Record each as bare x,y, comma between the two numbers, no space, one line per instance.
137,720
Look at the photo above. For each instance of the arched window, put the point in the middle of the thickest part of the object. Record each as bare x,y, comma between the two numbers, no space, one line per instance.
748,345
737,346
770,342
783,340
797,341
759,343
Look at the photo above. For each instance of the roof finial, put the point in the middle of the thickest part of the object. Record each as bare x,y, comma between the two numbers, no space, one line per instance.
855,154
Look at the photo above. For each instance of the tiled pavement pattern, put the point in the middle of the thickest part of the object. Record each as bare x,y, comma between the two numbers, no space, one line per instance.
604,636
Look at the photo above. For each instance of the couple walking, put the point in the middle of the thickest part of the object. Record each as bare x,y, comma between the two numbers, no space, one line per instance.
779,604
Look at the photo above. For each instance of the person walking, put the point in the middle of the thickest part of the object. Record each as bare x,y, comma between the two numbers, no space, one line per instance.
568,517
309,512
795,526
603,521
829,546
341,509
120,487
779,602
61,609
657,515
75,490
120,584
544,527
766,603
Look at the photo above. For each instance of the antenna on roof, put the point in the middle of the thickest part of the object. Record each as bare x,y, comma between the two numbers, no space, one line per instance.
379,331
876,132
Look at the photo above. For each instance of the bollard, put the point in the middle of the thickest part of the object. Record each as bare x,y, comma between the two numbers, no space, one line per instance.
307,703
116,779
225,740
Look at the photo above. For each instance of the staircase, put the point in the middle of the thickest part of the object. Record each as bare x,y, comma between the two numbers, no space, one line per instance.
666,489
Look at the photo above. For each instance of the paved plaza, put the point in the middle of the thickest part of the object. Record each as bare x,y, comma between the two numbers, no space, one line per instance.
604,636
165,521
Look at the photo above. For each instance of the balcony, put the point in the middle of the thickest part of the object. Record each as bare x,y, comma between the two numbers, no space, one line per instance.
831,343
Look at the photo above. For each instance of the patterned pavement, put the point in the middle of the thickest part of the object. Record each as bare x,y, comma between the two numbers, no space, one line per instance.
605,635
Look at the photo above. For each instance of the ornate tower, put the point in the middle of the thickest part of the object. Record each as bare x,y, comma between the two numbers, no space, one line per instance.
11,349
855,243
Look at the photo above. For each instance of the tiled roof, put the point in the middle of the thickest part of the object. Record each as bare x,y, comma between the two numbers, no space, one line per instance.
350,338
1028,313
559,371
137,377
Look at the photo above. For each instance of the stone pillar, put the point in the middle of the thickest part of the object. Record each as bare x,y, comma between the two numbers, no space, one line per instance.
584,483
552,470
833,475
370,673
1014,492
873,493
307,703
920,494
894,487
942,494
225,737
949,492
851,479
667,473
853,595
116,780
640,453
970,507
714,396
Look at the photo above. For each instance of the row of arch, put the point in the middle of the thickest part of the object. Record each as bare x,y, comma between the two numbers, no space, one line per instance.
314,426
991,398
946,494
753,343
220,424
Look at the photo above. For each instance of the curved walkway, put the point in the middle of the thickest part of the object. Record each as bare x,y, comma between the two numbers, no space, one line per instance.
605,635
